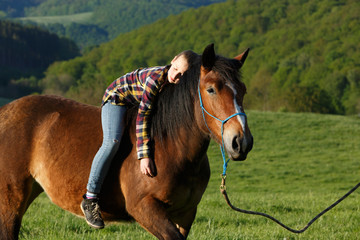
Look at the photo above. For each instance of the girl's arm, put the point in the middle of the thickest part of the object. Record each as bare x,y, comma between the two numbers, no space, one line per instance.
151,89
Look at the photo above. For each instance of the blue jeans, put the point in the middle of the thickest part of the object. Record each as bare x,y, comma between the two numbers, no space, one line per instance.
113,121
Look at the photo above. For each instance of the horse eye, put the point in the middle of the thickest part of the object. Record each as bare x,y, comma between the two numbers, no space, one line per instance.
211,90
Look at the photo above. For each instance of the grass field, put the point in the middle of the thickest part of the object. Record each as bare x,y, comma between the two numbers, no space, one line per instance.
300,164
64,20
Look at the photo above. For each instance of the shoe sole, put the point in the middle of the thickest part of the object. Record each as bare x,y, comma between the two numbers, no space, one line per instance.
89,223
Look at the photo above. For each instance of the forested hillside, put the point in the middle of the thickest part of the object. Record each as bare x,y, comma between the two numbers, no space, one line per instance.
16,8
304,54
26,52
91,22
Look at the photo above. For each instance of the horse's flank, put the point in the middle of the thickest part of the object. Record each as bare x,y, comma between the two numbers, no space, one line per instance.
51,139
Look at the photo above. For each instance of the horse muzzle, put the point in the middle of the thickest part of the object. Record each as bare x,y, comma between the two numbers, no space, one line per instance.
238,146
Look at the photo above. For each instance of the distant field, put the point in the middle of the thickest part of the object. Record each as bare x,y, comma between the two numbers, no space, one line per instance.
64,20
300,164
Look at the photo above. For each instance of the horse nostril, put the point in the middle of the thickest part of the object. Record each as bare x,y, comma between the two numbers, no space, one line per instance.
236,143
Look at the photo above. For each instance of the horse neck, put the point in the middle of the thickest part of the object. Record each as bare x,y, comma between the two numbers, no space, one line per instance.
187,153
193,143
189,142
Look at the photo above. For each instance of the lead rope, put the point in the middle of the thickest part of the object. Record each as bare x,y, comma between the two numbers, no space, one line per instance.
223,177
223,191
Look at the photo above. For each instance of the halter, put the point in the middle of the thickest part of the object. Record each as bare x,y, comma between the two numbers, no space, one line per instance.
222,145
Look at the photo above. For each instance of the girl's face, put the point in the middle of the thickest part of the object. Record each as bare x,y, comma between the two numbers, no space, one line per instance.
178,66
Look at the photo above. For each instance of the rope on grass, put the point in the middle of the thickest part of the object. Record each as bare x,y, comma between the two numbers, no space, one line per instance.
223,191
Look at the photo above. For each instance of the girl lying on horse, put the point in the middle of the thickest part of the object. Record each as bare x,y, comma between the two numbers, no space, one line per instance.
138,87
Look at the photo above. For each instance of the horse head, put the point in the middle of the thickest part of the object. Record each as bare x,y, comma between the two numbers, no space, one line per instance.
221,96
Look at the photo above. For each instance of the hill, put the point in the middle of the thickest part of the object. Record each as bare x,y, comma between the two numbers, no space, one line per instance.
296,169
304,54
96,21
26,52
16,8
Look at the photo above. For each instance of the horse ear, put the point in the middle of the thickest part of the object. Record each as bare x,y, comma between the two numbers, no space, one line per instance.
208,57
242,57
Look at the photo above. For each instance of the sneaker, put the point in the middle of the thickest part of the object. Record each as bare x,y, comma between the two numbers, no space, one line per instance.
91,210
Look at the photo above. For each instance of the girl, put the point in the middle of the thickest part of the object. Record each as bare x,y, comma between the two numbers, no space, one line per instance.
140,86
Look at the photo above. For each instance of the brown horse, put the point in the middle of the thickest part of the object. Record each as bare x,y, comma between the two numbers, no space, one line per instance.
47,143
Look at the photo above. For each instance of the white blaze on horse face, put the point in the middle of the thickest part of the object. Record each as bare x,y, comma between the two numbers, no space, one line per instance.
241,118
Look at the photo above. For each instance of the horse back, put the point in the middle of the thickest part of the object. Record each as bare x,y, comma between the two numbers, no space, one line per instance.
53,139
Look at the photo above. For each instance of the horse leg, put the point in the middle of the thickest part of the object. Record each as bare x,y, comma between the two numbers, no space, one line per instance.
36,189
9,226
151,214
185,221
13,204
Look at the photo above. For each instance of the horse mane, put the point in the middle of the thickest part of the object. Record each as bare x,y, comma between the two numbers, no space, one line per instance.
174,108
229,70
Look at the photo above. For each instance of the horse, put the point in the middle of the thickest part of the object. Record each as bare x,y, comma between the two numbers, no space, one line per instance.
47,144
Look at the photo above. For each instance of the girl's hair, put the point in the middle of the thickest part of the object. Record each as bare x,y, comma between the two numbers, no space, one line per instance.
191,57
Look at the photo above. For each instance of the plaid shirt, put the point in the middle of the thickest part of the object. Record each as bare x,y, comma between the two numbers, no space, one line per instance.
140,86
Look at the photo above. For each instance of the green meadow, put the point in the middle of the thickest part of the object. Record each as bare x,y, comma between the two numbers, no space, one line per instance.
300,164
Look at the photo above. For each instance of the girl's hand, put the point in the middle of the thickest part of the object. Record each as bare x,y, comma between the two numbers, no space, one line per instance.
147,167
